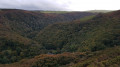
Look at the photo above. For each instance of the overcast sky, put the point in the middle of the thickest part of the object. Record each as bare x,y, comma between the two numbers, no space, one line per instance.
70,5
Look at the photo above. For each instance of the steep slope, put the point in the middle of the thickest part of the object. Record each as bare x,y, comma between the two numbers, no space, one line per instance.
100,32
18,27
14,47
89,38
28,23
94,41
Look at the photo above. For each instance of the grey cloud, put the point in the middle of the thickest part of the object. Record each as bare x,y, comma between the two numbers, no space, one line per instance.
34,4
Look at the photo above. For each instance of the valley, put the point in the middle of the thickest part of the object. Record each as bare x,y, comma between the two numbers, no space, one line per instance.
59,39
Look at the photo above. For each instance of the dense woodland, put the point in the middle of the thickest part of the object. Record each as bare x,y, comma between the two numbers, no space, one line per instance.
67,39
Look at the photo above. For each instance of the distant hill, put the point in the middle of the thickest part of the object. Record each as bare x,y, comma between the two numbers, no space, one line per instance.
100,11
58,12
92,11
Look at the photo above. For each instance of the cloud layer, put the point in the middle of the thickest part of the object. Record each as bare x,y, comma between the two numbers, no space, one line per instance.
74,5
35,4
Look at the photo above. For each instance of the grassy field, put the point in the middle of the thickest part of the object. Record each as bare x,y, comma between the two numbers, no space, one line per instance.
91,11
100,11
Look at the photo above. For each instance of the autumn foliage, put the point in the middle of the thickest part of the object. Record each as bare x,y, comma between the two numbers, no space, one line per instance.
73,39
